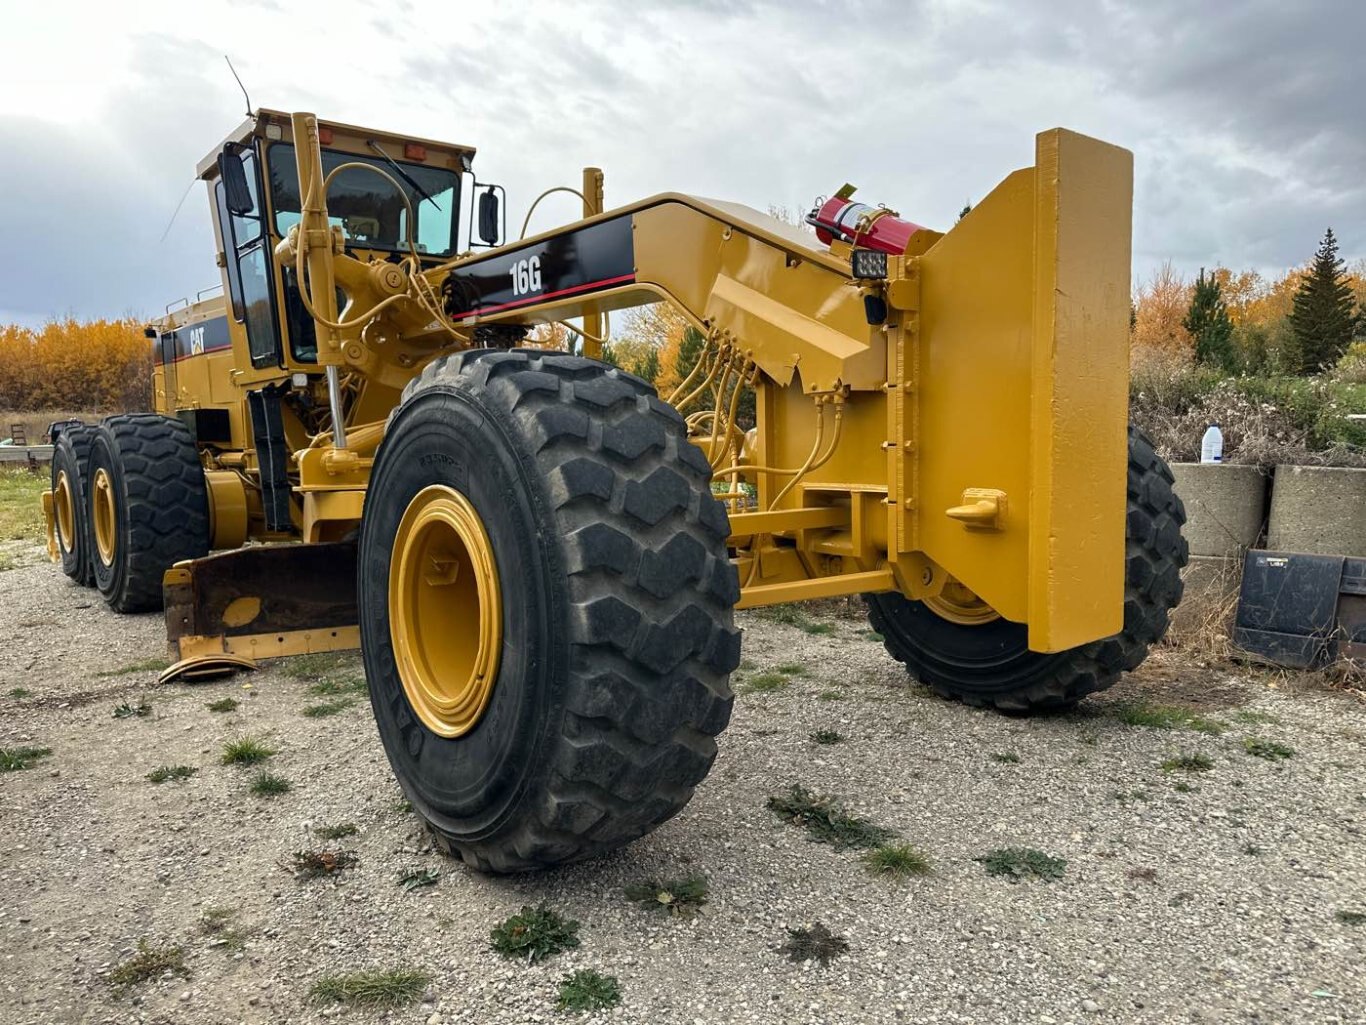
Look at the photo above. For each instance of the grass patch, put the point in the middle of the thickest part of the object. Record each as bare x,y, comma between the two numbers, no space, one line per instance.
815,944
1253,850
392,988
317,665
338,832
13,759
1021,863
587,990
127,711
871,635
245,751
1182,787
1166,717
1268,749
320,864
171,773
896,860
791,669
416,878
825,737
21,511
1006,757
1350,917
831,695
326,708
1193,762
267,784
339,686
217,924
533,934
764,683
826,822
19,693
1253,717
149,963
146,665
222,705
790,615
682,897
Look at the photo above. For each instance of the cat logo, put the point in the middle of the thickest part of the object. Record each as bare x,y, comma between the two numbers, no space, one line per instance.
196,341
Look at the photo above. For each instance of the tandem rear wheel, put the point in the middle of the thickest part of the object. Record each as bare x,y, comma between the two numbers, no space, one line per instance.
545,607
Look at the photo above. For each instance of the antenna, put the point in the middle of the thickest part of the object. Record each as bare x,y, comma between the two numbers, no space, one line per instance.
177,212
239,84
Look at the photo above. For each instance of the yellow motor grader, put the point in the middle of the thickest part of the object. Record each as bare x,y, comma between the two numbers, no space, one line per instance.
537,555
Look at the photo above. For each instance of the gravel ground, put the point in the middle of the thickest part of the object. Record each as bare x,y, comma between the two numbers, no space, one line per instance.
1200,897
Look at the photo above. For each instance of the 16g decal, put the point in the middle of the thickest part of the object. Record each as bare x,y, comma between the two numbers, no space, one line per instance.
526,275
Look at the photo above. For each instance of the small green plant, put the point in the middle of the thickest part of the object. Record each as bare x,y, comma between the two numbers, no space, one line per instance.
764,683
1021,863
1350,917
404,806
13,759
146,665
319,864
683,897
825,821
127,711
831,695
825,736
417,878
339,686
791,669
896,860
1192,762
392,988
587,990
1128,796
223,705
245,751
1268,749
533,934
871,635
317,665
1182,787
326,708
1166,717
148,963
1253,850
790,615
267,784
338,832
217,924
171,773
1254,717
817,943
1006,757
19,693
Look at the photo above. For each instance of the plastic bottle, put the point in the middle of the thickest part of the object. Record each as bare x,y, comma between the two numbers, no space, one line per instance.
1212,445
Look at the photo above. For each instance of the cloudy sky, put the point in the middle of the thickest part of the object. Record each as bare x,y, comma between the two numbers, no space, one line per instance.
1245,118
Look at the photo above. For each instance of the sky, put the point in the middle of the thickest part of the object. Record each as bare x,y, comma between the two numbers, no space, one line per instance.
1245,118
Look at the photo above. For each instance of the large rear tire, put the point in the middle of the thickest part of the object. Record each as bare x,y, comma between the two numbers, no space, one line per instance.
70,480
988,662
147,507
545,607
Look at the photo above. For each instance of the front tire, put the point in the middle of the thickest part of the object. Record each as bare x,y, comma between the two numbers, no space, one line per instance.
989,663
570,493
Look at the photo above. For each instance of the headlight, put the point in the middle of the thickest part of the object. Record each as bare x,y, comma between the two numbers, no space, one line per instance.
868,263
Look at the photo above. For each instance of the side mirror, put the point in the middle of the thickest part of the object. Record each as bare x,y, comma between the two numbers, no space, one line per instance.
488,218
236,191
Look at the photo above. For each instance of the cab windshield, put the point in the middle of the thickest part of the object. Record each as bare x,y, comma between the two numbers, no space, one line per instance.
368,209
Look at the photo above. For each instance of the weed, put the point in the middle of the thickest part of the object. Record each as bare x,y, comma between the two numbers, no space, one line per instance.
1253,850
326,708
682,897
1006,757
416,878
317,665
1268,749
1021,863
245,751
831,695
267,784
764,683
217,923
146,665
19,693
826,821
587,990
1125,797
317,864
1166,717
790,615
336,832
1350,917
1253,717
12,759
791,669
148,963
896,860
373,988
815,944
1182,787
127,711
404,807
171,773
534,934
825,737
1193,762
222,705
1143,874
871,635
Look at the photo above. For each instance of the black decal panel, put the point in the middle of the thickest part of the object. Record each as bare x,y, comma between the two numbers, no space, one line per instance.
195,339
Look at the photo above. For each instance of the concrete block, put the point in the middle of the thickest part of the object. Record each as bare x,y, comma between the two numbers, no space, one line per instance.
1225,504
1318,509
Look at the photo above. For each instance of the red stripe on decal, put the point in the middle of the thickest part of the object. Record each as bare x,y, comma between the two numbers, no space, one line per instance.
604,283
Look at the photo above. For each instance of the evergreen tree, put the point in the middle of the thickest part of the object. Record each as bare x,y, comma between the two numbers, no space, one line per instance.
1323,319
1208,324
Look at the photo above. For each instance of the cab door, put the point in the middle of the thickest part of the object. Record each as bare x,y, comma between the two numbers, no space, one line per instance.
246,250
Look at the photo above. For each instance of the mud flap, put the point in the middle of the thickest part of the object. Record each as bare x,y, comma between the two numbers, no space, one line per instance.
226,611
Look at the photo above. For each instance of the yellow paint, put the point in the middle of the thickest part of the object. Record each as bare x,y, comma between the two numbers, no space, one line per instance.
241,611
64,505
103,516
228,519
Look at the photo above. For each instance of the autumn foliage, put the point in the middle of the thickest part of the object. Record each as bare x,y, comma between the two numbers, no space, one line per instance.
70,364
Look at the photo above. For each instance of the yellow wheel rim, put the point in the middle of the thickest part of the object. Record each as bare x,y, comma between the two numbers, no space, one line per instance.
958,604
65,506
102,508
445,611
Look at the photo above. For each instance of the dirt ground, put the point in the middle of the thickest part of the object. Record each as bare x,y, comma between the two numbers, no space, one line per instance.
1225,895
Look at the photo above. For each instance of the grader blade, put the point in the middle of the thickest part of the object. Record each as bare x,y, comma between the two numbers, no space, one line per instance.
225,612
